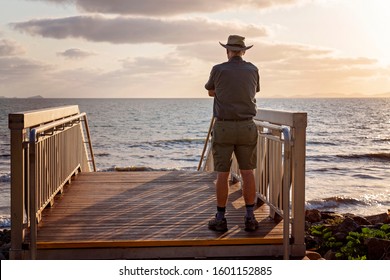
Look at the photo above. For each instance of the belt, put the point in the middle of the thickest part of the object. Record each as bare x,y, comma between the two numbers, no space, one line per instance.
234,120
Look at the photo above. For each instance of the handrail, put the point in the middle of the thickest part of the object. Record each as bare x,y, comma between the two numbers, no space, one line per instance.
280,171
45,127
34,133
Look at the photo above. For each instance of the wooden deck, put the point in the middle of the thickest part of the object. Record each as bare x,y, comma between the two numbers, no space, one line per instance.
150,215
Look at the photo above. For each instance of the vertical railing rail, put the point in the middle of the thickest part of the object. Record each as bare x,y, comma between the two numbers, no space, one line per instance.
281,172
40,165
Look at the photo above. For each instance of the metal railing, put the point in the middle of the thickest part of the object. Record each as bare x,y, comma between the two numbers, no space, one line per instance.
55,155
48,148
272,177
280,173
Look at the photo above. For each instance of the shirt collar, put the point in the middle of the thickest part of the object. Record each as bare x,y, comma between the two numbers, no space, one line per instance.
236,58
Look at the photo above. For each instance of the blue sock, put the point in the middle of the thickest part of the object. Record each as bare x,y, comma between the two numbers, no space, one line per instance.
249,211
220,213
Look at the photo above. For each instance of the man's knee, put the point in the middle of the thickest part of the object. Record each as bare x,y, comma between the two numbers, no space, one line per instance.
223,175
248,172
248,177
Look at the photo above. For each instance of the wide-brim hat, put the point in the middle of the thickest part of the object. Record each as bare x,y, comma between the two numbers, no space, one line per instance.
236,43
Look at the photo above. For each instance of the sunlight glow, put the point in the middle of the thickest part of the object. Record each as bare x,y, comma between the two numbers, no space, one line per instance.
375,21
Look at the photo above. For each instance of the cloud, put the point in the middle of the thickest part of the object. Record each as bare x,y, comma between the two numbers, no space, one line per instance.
168,7
296,69
75,54
136,30
147,65
10,48
20,71
261,51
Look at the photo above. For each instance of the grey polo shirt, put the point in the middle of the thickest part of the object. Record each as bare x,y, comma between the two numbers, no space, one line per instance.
235,83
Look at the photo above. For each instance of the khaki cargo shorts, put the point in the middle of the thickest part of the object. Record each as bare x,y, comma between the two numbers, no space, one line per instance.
238,137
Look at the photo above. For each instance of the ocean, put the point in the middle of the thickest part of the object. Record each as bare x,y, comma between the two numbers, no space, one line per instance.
347,152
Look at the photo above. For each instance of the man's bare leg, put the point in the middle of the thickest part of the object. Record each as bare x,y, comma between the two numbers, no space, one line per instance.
219,223
248,188
222,188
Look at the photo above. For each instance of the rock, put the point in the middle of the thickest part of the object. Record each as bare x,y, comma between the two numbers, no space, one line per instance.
340,236
313,255
361,221
5,236
378,226
311,242
379,218
347,225
330,215
313,216
330,255
378,249
4,250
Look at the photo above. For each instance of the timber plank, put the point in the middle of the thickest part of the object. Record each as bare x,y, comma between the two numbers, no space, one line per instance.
147,209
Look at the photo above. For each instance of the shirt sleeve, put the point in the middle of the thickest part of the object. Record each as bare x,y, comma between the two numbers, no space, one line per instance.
258,82
210,83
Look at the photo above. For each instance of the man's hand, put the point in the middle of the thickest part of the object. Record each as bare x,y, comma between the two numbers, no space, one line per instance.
212,93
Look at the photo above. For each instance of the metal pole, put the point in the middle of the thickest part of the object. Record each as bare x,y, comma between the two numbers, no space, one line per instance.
89,142
206,142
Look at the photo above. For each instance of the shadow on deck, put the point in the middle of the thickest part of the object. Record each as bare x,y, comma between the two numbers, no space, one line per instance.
150,215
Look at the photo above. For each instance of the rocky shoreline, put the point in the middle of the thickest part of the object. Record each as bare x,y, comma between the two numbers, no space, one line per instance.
334,236
329,236
5,244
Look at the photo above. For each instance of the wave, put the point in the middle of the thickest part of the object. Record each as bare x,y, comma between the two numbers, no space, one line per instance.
320,158
327,169
5,222
381,140
373,156
365,176
168,143
321,143
5,156
334,202
141,168
5,178
102,154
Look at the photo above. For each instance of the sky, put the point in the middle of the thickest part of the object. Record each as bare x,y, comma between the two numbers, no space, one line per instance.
166,48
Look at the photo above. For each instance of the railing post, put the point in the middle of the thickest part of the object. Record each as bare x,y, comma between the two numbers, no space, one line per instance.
286,192
18,193
33,195
298,183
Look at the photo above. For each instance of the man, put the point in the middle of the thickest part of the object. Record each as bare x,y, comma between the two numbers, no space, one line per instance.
233,85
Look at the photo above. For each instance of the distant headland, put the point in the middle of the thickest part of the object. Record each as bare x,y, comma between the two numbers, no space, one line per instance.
31,97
